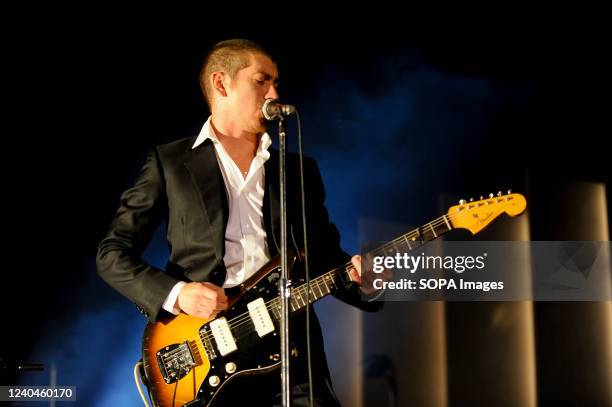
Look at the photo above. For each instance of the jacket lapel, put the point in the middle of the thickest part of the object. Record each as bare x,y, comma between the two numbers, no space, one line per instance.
206,175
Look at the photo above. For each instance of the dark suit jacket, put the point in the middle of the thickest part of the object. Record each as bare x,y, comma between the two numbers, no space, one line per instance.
184,188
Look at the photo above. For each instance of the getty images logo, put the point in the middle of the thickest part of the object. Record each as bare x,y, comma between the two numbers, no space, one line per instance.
412,264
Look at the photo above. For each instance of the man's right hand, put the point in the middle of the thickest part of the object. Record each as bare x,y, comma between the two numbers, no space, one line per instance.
202,300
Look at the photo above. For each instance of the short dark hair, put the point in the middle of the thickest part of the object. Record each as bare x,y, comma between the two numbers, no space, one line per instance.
229,56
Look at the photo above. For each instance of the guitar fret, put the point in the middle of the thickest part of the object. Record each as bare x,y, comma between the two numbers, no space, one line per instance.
326,281
312,297
307,295
321,280
330,281
433,230
407,242
442,226
293,306
296,296
319,287
446,221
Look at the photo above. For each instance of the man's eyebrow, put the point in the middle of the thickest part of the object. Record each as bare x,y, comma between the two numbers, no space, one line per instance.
267,76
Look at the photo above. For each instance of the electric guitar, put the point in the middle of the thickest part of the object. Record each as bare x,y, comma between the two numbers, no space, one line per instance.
189,361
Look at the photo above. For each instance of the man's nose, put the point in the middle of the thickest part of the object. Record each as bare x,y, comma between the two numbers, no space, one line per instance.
272,93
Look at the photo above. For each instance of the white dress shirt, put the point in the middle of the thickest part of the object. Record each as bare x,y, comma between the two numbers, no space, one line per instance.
245,236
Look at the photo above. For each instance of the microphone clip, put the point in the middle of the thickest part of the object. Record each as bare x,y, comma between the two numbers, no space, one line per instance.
273,110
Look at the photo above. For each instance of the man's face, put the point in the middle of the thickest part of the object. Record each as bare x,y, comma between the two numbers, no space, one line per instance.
248,91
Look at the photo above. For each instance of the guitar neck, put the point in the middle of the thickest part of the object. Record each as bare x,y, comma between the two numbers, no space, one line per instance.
338,277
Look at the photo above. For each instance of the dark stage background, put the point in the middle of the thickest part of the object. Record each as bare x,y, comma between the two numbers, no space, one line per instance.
402,120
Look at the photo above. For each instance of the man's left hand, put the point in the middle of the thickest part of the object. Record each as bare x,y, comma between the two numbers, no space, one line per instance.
366,281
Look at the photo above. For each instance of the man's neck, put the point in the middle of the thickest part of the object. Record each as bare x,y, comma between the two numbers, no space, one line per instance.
226,129
240,145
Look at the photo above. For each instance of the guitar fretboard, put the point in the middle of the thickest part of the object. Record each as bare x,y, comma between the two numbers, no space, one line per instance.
338,277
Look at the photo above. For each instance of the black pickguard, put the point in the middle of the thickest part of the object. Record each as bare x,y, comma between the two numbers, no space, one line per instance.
255,355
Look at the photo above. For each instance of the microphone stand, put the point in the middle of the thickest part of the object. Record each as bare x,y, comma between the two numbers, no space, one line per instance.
284,283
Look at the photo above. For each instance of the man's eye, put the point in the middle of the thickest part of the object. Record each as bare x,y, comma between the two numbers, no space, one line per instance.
260,81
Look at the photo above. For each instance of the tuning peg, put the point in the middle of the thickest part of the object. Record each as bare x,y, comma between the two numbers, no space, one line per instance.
471,199
499,193
462,202
509,191
491,195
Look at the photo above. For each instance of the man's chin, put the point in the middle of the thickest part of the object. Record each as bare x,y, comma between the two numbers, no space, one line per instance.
263,125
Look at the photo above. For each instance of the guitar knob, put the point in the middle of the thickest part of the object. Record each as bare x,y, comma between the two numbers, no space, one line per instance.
509,191
481,197
214,381
462,202
491,195
471,199
499,193
230,367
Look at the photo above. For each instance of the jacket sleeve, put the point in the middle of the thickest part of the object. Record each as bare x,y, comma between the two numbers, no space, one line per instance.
324,239
119,260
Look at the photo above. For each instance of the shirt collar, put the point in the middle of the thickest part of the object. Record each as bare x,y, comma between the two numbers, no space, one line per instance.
207,133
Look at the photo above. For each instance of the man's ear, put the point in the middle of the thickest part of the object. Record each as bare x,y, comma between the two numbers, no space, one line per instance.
219,83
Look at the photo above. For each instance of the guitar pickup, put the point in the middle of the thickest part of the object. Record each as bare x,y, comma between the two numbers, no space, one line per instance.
223,336
261,317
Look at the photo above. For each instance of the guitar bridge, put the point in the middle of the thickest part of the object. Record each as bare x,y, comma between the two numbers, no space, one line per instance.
176,360
205,336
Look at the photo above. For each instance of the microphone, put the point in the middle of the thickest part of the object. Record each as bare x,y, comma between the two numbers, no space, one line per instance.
273,110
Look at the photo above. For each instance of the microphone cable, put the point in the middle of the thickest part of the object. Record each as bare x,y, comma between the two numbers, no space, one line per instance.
306,267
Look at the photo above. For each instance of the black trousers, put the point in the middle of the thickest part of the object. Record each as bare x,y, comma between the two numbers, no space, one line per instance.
265,392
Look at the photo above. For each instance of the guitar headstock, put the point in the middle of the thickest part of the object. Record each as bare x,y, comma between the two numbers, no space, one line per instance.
476,215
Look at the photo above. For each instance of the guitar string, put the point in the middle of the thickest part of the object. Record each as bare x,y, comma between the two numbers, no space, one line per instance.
245,317
270,305
239,322
237,331
242,319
